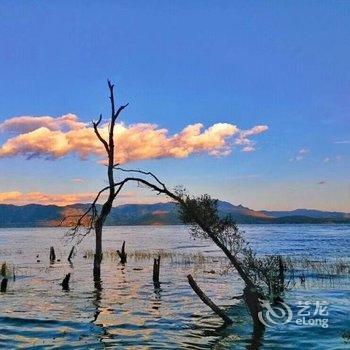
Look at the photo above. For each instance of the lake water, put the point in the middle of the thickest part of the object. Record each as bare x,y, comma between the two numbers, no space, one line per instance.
129,312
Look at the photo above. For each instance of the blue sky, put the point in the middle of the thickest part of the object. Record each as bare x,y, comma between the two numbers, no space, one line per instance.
247,63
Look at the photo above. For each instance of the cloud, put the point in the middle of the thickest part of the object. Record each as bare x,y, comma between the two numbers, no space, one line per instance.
19,198
331,159
26,124
300,155
62,199
243,137
54,138
343,142
78,181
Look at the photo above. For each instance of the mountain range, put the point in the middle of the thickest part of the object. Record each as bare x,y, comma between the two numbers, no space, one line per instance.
36,215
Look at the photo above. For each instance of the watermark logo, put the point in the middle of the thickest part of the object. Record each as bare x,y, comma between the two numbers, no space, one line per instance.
308,314
274,314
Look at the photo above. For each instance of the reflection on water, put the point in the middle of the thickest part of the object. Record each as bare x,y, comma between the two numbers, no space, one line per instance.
127,310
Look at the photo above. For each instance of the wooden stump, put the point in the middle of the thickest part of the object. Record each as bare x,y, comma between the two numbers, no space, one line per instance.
65,282
206,300
52,254
156,269
122,254
3,285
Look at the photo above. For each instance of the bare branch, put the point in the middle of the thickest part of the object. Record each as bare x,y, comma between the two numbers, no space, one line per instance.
111,97
120,109
116,167
117,187
91,209
103,141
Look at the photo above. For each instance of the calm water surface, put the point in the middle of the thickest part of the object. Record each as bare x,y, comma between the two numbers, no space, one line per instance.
130,313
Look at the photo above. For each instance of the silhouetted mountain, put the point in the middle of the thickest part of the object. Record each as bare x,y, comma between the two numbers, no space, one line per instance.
35,215
310,213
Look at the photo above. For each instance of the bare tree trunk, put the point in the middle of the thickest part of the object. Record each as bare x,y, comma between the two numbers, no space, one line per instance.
107,206
98,253
251,299
156,269
71,254
206,300
236,264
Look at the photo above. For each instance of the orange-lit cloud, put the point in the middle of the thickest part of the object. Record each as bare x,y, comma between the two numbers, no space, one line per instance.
19,198
57,137
245,142
62,199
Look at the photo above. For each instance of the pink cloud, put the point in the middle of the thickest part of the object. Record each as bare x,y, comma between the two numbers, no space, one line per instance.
19,198
26,124
22,198
57,137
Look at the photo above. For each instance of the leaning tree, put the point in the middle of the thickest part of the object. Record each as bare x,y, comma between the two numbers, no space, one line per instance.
263,277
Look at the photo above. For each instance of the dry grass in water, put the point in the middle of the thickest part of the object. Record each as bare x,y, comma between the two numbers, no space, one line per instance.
179,258
320,268
7,270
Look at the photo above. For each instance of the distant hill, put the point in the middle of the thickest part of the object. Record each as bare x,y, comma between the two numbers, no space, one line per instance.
35,215
311,213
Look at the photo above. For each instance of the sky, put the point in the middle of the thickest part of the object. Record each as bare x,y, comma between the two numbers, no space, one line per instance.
248,101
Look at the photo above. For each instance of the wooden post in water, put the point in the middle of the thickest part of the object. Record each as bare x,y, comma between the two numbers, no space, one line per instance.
206,300
71,254
3,285
122,254
156,269
52,254
65,282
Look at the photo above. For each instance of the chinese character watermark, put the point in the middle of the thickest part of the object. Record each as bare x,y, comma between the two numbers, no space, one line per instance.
309,313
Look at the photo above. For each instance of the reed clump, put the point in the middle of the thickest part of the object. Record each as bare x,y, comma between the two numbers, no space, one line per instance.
7,270
337,268
183,258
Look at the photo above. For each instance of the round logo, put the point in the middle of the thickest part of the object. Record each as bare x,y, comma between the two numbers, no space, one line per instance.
277,314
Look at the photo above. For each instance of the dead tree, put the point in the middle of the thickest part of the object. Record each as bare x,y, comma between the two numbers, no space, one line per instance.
206,300
98,218
107,206
122,255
